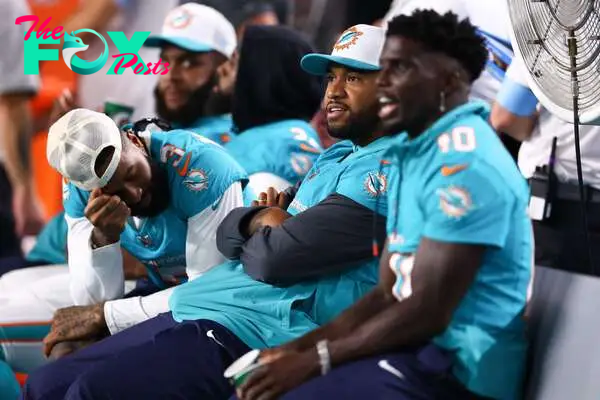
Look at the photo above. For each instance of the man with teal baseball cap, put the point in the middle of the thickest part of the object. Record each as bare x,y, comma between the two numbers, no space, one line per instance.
352,66
195,41
196,28
358,47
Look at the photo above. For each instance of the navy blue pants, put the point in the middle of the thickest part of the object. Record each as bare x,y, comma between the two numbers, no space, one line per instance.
415,374
157,359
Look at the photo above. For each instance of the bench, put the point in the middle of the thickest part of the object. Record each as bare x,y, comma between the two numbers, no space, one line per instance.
565,333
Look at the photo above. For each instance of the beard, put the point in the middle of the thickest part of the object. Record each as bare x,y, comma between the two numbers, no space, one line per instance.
158,191
192,110
359,125
218,104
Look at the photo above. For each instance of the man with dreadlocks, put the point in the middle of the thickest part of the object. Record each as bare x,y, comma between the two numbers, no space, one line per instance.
446,320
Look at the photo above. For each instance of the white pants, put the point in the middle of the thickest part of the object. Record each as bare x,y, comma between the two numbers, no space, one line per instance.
28,299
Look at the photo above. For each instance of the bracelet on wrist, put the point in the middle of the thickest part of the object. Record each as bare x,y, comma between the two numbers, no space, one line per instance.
324,357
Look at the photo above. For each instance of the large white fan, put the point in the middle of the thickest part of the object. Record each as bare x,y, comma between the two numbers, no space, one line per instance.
559,40
560,43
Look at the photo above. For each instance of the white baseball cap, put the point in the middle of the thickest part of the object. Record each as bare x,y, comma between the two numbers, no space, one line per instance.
358,47
76,140
198,28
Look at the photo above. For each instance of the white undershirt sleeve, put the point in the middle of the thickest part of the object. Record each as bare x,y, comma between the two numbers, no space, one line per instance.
95,275
201,255
261,181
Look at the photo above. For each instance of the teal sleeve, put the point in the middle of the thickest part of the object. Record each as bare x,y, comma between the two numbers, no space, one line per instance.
299,152
468,206
74,200
51,244
367,184
210,172
9,387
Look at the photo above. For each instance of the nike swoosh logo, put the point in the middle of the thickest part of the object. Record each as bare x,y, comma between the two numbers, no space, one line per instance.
451,170
184,169
385,365
211,335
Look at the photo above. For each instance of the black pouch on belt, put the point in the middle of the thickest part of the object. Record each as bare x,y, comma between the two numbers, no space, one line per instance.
540,202
542,186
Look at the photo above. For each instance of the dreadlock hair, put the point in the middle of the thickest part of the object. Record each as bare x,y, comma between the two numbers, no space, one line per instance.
446,34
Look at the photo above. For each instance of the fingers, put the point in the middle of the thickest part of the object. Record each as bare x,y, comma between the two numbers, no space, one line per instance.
271,197
270,355
116,218
62,349
107,211
95,204
262,199
49,342
256,385
95,194
283,200
100,207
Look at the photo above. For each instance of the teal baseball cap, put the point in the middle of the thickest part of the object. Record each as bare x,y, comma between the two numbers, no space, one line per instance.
358,47
197,28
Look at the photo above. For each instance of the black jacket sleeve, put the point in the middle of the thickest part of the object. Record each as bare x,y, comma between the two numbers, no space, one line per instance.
230,234
333,236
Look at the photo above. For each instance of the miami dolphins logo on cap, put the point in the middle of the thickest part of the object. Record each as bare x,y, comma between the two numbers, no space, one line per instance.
180,18
347,39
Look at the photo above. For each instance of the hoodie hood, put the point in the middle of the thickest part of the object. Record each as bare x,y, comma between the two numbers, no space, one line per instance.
271,86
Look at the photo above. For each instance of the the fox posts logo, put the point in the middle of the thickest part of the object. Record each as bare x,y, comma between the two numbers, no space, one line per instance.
73,45
128,56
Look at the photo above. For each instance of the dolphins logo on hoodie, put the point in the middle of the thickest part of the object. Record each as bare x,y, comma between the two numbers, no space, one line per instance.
73,45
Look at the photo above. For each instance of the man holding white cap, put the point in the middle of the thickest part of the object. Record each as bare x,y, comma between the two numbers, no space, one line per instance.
159,195
285,277
195,41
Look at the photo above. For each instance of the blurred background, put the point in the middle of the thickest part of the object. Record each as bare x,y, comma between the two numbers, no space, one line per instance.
320,20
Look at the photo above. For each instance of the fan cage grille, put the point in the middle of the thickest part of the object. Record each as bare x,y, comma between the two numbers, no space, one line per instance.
541,29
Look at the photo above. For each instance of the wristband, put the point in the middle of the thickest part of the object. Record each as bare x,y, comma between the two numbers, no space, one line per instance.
517,99
324,358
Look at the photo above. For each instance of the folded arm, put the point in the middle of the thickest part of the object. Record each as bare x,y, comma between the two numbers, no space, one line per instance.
330,237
